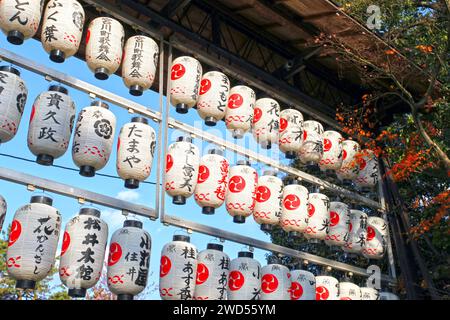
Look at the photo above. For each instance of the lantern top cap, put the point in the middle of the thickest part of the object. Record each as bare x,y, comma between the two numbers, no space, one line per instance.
290,180
133,223
270,172
10,69
243,162
99,103
181,238
245,254
58,88
184,139
214,246
42,199
139,120
216,151
90,212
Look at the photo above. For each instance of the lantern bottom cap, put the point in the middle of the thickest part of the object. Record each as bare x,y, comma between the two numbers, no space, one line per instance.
136,90
365,189
182,108
87,171
77,293
44,159
179,200
294,234
210,121
25,284
239,219
329,173
290,155
347,182
208,210
132,183
312,166
238,134
57,56
101,73
15,37
125,297
266,145
267,227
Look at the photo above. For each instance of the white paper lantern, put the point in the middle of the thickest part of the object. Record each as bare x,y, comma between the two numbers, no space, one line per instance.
62,29
339,224
185,75
178,269
375,245
93,138
368,171
51,123
269,197
212,273
240,197
33,241
369,293
266,122
3,209
239,110
212,181
318,216
244,281
388,296
332,151
129,260
275,282
182,163
357,232
311,150
294,211
135,151
303,285
140,60
83,252
19,20
291,132
213,97
349,291
349,168
13,97
104,44
327,288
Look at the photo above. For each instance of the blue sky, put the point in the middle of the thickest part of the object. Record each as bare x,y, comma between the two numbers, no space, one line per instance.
17,195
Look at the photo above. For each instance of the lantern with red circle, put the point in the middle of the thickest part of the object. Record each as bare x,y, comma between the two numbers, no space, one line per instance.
311,151
290,132
303,285
19,20
104,46
213,97
266,122
318,216
244,280
182,165
33,241
368,293
13,98
240,197
62,29
140,59
269,196
239,110
275,282
185,76
212,273
349,291
377,232
178,269
368,171
83,252
339,224
212,181
327,288
357,232
294,208
349,167
129,260
332,152
3,208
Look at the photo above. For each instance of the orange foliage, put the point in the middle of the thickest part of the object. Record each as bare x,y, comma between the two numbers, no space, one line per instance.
442,200
424,48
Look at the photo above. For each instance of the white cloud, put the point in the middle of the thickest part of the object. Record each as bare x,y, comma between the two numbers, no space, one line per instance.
128,195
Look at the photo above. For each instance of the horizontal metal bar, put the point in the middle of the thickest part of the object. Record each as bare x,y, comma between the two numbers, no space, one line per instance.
179,222
74,192
96,92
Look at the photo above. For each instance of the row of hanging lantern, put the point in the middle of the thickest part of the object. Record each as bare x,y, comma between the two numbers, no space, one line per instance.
33,240
61,36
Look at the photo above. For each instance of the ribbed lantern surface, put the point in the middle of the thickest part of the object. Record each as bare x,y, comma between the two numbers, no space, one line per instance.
377,232
349,291
294,210
357,232
275,282
239,110
266,122
51,123
3,209
311,150
332,151
369,293
62,29
349,168
338,228
269,196
327,288
318,216
368,171
303,285
290,132
244,281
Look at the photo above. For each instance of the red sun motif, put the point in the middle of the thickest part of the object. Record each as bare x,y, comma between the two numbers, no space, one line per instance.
350,227
362,164
291,202
203,174
88,36
169,162
345,298
165,267
202,273
262,194
344,154
66,243
236,280
269,283
205,85
33,112
283,124
322,293
235,101
326,145
257,114
115,253
236,184
178,71
305,135
16,230
296,291
334,218
370,233
311,209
